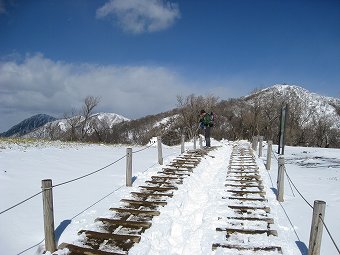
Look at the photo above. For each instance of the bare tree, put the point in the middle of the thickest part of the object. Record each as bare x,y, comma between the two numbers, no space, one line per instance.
89,104
189,109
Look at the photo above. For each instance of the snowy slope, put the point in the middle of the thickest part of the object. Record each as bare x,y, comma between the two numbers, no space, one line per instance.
313,105
106,120
186,225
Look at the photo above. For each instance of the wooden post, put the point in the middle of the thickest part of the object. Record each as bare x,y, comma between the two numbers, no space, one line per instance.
182,143
50,244
128,167
253,142
280,179
194,142
200,142
260,145
269,154
160,154
316,228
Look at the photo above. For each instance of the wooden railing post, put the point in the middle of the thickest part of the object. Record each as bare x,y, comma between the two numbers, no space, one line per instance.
316,228
280,179
128,167
269,154
194,142
182,143
200,142
50,244
160,154
254,143
260,145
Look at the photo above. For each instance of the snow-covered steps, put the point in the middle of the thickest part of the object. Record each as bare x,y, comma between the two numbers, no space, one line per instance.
247,227
119,233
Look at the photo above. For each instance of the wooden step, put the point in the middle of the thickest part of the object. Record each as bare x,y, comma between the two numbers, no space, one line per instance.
167,177
153,188
243,208
248,231
176,170
247,247
245,181
268,220
247,199
247,192
136,211
144,203
125,223
110,236
143,194
261,187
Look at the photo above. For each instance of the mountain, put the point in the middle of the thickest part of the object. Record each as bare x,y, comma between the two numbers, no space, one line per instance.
77,126
28,125
313,120
309,106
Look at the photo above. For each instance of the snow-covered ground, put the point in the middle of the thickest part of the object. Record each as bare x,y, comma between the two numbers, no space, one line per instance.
186,225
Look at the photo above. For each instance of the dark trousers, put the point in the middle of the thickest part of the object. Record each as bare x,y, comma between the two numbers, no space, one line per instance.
207,132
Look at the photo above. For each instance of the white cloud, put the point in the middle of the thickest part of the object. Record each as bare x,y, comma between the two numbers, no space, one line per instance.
37,84
40,85
139,16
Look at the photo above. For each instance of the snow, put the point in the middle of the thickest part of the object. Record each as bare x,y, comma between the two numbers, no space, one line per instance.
186,225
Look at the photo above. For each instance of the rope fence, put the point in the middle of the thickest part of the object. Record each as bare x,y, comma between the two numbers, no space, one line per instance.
49,188
290,181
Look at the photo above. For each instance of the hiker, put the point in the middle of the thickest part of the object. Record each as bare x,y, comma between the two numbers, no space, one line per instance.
206,124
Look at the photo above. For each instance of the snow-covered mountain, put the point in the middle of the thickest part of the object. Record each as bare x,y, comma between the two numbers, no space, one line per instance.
61,126
28,125
313,106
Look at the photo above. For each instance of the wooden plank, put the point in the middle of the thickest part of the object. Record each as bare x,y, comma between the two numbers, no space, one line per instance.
240,207
247,199
124,223
136,211
143,194
167,177
158,188
246,177
251,248
146,203
174,173
163,181
247,192
261,187
268,220
76,250
248,231
110,236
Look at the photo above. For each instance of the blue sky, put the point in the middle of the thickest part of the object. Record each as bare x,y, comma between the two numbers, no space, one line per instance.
137,55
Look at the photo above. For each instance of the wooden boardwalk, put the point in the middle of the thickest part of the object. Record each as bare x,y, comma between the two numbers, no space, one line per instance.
117,235
247,229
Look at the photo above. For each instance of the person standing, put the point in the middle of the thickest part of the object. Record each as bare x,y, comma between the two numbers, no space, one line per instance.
205,124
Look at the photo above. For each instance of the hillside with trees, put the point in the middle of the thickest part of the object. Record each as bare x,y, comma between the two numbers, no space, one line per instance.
313,120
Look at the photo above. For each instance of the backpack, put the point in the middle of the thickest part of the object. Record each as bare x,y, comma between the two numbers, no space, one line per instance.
212,119
209,119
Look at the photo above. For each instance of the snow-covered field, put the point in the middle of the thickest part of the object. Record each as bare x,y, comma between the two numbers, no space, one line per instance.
186,225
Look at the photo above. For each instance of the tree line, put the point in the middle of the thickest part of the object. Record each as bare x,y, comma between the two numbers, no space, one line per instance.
240,118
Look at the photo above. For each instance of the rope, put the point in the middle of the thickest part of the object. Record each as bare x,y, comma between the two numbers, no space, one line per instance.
147,147
97,202
86,175
284,210
21,202
329,233
297,189
327,230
